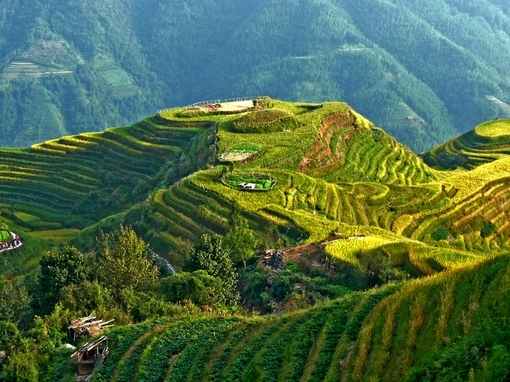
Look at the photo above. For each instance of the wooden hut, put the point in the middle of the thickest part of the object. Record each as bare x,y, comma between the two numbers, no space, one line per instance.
87,326
88,357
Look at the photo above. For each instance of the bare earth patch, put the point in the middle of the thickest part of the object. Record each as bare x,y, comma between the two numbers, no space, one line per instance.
238,106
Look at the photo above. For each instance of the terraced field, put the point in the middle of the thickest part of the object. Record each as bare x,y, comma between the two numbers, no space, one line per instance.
290,347
74,181
485,143
334,168
392,333
352,179
343,186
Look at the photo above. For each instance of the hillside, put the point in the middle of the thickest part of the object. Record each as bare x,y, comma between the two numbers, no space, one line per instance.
485,143
382,252
392,333
425,72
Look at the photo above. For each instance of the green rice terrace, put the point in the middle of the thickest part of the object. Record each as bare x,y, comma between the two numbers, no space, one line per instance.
485,143
407,255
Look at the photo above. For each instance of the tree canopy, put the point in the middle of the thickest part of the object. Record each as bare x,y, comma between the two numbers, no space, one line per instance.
211,256
125,262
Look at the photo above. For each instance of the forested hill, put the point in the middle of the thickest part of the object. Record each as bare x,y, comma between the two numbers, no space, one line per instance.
425,71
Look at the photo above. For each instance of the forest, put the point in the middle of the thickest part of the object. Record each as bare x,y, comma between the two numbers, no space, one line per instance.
423,71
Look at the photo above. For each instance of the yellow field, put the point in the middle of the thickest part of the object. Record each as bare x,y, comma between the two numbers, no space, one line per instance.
346,249
496,128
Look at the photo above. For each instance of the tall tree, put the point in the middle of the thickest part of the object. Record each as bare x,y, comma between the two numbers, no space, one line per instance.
59,269
209,255
240,240
125,262
14,301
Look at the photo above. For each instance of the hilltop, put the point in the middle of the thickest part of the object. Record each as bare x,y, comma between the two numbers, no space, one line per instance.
400,246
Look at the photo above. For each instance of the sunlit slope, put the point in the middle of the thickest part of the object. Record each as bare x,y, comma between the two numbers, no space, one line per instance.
335,143
485,143
450,327
73,181
203,203
333,167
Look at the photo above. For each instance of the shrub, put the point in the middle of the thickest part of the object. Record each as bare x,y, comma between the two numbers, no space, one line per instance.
487,230
440,234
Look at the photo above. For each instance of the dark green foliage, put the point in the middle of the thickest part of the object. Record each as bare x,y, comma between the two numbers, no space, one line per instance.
241,240
459,362
333,332
235,370
199,287
125,262
379,269
14,302
59,269
209,255
449,160
122,339
306,337
9,335
21,368
488,230
85,297
371,54
440,234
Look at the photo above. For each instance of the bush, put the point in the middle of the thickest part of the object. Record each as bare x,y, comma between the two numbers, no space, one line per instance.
487,230
440,234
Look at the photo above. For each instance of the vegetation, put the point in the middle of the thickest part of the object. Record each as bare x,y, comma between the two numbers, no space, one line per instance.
68,68
357,218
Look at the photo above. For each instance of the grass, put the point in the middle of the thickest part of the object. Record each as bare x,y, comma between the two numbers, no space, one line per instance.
495,128
4,235
348,249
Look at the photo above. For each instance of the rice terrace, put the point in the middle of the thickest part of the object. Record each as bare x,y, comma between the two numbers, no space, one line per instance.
396,265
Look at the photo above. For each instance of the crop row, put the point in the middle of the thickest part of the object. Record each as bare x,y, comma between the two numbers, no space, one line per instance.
61,174
385,161
490,205
305,344
424,315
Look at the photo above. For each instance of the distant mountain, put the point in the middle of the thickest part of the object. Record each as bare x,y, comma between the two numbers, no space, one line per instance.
424,71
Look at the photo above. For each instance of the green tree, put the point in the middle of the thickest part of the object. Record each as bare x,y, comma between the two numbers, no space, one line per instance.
209,255
21,368
14,301
125,262
59,269
9,336
241,241
199,287
86,297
